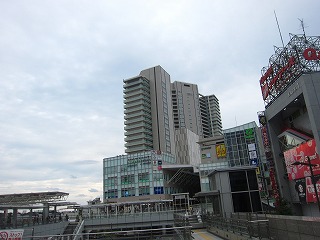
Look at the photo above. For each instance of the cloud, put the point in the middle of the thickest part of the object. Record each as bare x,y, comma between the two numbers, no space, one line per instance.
63,65
93,190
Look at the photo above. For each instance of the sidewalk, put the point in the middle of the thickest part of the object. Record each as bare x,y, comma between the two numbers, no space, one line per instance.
202,234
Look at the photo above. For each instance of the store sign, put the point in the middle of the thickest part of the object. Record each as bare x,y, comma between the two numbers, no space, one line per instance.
140,160
253,155
273,76
254,162
305,190
300,154
310,191
302,54
251,147
311,54
221,151
205,155
249,133
15,234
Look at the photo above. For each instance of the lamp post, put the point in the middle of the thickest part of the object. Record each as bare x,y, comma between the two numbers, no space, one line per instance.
310,165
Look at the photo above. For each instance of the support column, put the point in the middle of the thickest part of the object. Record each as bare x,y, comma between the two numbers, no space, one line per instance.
5,217
45,213
55,213
31,219
15,217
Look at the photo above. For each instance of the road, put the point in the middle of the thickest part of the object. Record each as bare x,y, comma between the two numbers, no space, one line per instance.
202,234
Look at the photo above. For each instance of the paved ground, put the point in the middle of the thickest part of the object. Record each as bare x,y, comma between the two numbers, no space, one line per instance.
202,234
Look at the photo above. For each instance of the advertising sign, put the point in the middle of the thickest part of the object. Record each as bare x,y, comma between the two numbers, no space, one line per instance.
251,147
254,162
221,150
253,155
310,191
300,154
15,234
300,55
301,189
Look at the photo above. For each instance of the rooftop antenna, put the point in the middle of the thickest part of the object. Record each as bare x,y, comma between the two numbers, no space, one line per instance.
275,15
302,27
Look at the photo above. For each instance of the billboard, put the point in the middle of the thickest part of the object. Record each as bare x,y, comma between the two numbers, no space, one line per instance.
221,151
300,154
306,191
300,55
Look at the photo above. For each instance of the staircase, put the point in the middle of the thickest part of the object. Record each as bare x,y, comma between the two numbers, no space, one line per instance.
70,228
195,221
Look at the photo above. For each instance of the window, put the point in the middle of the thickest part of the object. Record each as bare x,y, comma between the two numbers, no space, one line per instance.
252,179
127,192
238,181
128,179
144,190
112,193
241,202
143,177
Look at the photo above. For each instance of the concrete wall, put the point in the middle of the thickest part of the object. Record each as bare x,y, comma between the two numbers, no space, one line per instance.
294,228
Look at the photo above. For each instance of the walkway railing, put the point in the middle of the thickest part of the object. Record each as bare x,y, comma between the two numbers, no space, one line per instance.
173,233
240,224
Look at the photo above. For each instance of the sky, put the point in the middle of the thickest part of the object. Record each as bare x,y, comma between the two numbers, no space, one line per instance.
62,65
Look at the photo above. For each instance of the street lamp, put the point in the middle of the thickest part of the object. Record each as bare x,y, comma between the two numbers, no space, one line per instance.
310,165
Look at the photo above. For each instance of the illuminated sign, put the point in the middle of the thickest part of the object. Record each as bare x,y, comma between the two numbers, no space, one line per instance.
301,55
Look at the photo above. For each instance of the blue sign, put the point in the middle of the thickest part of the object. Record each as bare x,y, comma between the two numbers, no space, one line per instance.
158,190
254,162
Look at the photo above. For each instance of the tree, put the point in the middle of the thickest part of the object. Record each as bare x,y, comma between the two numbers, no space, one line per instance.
284,207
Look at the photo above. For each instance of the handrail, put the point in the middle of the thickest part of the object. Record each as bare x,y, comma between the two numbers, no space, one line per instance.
77,231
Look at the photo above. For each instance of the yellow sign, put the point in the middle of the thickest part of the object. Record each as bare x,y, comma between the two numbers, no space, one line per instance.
221,150
258,170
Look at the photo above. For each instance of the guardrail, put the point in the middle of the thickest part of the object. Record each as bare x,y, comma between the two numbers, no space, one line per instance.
258,228
176,233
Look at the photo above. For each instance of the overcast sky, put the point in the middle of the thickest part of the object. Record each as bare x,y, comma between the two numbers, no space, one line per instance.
62,65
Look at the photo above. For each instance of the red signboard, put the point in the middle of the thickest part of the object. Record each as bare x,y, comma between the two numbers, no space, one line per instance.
300,154
11,234
302,54
310,192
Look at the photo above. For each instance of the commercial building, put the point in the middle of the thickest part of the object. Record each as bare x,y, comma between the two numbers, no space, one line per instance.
163,117
237,154
290,87
155,107
134,176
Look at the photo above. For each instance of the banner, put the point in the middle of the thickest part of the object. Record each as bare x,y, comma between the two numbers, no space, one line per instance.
310,191
15,234
300,154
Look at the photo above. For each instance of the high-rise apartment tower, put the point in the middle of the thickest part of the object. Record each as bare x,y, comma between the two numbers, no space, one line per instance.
148,112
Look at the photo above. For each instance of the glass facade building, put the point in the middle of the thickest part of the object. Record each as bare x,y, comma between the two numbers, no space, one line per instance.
136,174
244,145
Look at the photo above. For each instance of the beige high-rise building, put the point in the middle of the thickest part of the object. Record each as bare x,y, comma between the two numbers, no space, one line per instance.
186,107
155,107
148,112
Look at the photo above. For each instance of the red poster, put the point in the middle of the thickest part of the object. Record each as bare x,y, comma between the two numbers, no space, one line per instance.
301,154
311,195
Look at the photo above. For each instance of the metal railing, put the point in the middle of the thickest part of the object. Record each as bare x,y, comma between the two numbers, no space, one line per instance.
172,233
245,225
